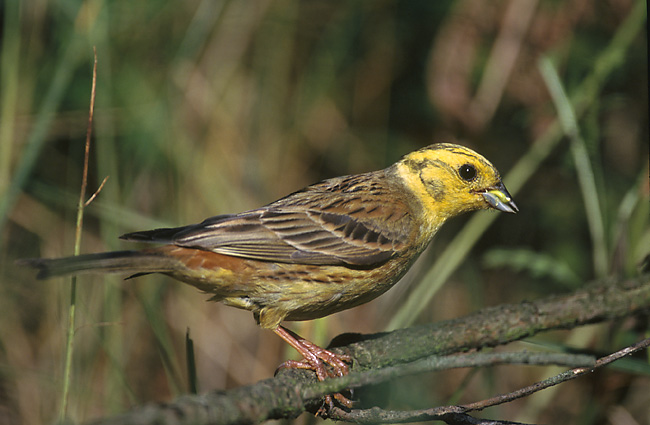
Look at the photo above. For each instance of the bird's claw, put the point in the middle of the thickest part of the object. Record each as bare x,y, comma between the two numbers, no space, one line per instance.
337,368
318,359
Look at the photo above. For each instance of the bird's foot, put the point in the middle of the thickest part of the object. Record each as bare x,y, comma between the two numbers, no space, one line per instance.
338,362
318,359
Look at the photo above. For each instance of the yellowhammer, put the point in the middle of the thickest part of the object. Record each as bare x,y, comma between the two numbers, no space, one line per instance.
331,246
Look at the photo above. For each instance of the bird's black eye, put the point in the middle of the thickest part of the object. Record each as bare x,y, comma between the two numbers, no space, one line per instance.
467,172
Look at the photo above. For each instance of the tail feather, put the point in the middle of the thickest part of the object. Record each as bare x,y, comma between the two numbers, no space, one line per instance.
137,262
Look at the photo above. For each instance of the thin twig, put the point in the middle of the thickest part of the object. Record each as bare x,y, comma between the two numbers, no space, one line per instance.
67,372
94,195
558,379
443,413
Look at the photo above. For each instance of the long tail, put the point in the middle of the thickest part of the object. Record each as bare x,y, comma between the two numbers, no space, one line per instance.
135,262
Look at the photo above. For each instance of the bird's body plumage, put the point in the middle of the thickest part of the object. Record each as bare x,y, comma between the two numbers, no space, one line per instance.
331,246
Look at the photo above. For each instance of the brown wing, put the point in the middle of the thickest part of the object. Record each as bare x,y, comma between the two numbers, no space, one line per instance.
313,226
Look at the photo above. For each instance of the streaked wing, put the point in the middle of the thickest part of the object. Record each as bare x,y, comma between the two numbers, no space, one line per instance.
166,235
313,226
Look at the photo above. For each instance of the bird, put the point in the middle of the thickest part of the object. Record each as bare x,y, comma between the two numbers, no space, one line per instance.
328,247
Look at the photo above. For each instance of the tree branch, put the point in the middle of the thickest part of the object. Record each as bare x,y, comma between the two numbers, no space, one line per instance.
457,414
292,392
437,363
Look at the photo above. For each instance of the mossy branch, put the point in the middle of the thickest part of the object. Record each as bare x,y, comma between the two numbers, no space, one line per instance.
292,392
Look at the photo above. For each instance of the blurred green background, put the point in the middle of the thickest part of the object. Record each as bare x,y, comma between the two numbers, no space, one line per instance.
211,107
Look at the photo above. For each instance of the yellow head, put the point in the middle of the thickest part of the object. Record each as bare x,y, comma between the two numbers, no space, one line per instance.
450,179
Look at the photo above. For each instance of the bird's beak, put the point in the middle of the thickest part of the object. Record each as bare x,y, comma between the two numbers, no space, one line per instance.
499,198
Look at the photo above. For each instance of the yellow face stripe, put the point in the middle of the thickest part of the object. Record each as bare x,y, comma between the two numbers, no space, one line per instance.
446,154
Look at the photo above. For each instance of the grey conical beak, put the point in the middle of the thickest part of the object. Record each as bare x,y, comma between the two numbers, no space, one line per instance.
499,198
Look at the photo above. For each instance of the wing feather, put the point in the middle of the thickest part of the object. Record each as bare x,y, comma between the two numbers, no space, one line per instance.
313,226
